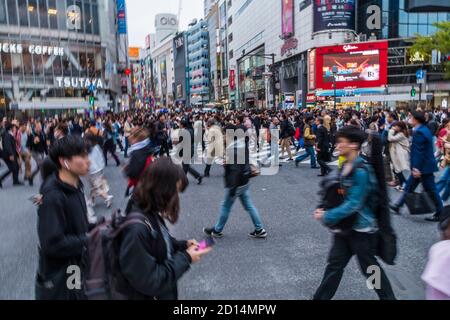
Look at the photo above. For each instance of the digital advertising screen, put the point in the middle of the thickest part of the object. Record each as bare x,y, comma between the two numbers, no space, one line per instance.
355,65
287,17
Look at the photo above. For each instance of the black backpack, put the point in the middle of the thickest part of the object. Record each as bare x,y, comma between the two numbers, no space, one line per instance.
101,259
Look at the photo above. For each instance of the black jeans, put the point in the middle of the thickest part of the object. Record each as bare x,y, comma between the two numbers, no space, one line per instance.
111,148
344,248
187,168
322,159
13,167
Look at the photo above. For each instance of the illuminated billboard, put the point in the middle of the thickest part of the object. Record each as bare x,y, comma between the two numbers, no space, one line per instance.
360,65
287,18
334,15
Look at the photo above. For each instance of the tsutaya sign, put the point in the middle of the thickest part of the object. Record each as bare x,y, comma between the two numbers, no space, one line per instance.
79,83
32,49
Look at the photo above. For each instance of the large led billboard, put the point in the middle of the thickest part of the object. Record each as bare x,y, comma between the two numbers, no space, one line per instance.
360,65
334,15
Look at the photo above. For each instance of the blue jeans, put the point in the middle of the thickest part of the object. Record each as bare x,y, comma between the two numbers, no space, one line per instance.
244,195
429,185
309,153
126,147
444,183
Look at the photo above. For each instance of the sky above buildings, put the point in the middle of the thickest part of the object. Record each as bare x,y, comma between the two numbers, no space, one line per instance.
141,16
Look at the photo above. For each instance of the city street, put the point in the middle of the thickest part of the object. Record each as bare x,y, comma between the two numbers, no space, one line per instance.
288,265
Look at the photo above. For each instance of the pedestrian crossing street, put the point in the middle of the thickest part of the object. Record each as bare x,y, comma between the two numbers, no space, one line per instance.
261,156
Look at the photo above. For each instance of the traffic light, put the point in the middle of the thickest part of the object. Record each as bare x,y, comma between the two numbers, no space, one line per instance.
127,71
413,92
91,101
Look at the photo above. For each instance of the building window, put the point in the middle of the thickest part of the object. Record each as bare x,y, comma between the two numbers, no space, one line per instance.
230,20
231,54
3,12
43,14
230,38
23,13
52,14
12,12
33,12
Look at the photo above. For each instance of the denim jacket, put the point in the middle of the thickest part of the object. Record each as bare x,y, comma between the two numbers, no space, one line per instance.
361,195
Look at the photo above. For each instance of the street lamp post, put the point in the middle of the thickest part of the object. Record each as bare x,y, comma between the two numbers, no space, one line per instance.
335,72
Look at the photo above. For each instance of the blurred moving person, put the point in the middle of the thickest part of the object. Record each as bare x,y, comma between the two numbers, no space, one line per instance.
10,155
37,144
237,185
359,184
423,166
151,260
437,271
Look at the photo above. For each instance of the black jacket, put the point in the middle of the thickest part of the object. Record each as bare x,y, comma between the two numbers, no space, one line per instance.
9,146
284,129
146,273
237,174
41,146
62,231
323,144
137,162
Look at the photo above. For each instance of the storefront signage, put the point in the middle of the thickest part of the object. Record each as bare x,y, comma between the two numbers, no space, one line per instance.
79,83
290,44
334,14
32,49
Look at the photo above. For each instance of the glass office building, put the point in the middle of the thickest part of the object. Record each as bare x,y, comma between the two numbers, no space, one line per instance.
54,51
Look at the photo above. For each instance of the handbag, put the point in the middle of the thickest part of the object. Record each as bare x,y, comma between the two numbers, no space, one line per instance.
419,203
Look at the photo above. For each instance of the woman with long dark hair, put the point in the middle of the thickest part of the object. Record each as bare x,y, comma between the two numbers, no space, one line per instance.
151,260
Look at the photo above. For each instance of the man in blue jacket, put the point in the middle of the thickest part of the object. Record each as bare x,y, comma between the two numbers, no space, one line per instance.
423,166
360,184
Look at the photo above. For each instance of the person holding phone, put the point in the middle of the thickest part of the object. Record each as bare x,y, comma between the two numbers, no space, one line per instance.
151,260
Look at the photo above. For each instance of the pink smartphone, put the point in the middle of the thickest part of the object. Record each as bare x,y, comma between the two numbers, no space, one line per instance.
207,243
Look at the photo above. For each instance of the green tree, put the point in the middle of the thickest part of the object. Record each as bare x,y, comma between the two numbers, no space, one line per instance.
439,41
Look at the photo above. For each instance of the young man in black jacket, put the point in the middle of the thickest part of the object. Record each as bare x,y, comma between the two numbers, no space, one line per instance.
10,155
186,129
237,180
62,223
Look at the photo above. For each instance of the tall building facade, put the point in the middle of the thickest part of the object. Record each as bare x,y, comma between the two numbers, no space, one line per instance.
198,63
290,31
54,52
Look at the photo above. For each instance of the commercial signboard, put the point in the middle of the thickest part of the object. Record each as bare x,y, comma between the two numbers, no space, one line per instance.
232,80
121,17
287,18
312,70
134,52
334,14
359,65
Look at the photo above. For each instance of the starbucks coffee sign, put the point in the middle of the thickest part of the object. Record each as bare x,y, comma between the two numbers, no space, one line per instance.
18,48
79,83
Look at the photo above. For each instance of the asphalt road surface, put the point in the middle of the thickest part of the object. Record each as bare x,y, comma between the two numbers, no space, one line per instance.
289,264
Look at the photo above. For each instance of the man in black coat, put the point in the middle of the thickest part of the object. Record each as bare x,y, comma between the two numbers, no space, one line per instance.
10,155
186,129
323,148
63,224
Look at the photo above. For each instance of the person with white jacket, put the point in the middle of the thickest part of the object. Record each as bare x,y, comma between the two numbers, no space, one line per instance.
399,149
99,184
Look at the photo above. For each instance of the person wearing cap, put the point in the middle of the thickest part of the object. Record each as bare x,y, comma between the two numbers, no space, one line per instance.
437,272
423,166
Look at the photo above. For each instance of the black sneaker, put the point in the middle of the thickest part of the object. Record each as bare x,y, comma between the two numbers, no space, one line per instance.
30,182
213,233
261,234
395,209
434,218
199,180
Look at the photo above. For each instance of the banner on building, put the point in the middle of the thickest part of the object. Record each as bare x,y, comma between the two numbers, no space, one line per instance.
334,14
287,18
232,80
370,13
121,17
312,70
